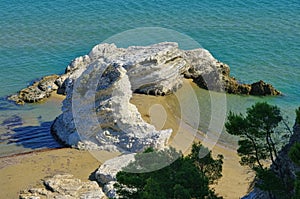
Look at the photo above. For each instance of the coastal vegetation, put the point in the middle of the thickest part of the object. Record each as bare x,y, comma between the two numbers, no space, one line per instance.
298,115
294,155
258,133
186,177
260,144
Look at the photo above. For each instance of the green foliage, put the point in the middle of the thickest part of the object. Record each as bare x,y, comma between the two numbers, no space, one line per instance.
181,179
298,115
180,192
259,131
151,160
256,131
210,167
297,187
269,181
294,153
264,117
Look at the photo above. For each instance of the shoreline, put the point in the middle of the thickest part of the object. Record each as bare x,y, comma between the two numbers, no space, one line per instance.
30,152
45,162
236,179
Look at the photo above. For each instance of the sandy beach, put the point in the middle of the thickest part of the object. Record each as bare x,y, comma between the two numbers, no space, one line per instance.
236,179
24,171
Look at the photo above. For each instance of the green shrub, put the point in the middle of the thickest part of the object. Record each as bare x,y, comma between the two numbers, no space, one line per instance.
185,177
294,153
298,115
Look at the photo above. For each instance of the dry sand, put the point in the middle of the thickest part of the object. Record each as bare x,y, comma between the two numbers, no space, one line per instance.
236,179
25,171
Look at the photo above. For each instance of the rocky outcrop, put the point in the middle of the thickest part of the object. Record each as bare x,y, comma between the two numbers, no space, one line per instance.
155,70
108,171
262,88
288,167
106,174
64,187
38,91
259,88
97,113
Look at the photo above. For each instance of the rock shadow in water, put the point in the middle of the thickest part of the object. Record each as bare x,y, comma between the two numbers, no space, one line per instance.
34,137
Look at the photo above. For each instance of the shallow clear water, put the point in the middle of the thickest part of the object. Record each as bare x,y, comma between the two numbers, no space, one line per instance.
258,39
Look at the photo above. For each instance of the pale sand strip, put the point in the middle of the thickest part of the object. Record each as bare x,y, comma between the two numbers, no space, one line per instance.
25,171
236,179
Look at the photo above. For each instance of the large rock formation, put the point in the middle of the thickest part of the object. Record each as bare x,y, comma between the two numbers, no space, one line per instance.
65,187
99,86
108,171
97,113
100,116
155,70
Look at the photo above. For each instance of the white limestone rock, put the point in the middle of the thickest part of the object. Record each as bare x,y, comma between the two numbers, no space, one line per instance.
116,123
65,186
156,69
97,113
109,169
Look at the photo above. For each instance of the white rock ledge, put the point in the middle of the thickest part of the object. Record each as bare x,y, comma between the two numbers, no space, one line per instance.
97,113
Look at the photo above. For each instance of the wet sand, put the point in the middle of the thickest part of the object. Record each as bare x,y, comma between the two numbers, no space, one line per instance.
236,179
24,171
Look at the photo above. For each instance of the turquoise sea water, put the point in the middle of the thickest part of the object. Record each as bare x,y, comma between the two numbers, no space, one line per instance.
258,39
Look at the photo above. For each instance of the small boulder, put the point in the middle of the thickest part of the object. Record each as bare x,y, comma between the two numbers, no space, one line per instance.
36,92
261,88
64,186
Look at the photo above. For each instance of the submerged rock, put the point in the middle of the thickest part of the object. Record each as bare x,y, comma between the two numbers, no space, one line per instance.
65,186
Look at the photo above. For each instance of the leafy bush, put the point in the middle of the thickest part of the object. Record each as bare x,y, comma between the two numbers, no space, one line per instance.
294,155
298,115
185,177
259,132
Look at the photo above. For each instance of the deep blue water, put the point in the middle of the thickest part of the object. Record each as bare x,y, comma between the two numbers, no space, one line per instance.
258,39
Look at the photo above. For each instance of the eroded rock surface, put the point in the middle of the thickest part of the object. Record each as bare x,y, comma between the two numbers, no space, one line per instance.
64,187
38,91
155,70
107,172
97,113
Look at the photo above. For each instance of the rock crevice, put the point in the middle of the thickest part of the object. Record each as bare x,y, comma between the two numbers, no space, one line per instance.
156,70
97,113
64,186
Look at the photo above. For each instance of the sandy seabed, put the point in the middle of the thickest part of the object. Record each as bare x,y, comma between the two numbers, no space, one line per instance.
24,171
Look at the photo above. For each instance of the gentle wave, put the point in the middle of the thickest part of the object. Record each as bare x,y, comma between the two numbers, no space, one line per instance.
258,39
